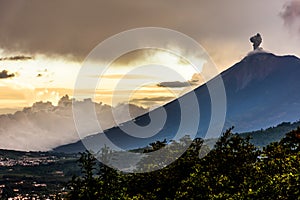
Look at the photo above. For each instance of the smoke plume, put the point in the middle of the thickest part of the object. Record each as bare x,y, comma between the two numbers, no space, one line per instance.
291,14
256,40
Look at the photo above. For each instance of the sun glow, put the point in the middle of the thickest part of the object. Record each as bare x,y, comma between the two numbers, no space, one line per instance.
139,73
42,78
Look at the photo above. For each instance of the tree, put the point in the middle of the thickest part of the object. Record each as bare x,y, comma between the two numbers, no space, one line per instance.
224,172
84,187
100,182
233,169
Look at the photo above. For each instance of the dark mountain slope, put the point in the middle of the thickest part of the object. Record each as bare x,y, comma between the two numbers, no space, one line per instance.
262,91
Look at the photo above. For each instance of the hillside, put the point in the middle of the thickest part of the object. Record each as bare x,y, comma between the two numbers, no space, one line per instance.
263,137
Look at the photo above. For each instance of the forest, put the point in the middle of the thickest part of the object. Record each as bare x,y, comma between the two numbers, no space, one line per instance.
234,169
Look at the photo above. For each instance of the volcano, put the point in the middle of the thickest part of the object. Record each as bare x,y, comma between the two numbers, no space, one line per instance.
262,90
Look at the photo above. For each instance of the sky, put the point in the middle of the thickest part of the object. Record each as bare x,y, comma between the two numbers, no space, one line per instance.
44,43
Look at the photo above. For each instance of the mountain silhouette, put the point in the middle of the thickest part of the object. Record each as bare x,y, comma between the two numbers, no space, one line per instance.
262,90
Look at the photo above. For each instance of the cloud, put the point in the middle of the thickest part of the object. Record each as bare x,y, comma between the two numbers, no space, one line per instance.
44,126
174,84
291,14
151,101
123,76
196,79
21,57
146,56
11,94
60,28
5,74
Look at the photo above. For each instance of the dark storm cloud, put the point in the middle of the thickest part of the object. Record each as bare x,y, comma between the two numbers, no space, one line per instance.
70,27
75,27
21,57
5,74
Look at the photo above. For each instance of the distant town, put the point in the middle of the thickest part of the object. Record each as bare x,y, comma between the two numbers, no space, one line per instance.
35,175
27,161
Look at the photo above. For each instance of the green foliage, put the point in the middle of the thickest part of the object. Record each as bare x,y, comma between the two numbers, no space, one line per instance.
233,169
101,183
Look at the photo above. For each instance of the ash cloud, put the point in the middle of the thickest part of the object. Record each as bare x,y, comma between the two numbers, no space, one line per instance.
256,40
291,14
44,126
5,74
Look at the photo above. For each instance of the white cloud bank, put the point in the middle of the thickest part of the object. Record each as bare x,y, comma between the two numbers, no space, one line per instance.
44,126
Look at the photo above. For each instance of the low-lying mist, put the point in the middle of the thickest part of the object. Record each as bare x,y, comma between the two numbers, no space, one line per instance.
44,126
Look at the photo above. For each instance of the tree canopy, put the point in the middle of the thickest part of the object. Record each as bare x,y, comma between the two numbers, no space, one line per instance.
233,169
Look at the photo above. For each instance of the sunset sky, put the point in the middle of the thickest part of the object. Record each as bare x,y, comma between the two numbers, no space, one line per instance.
43,43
